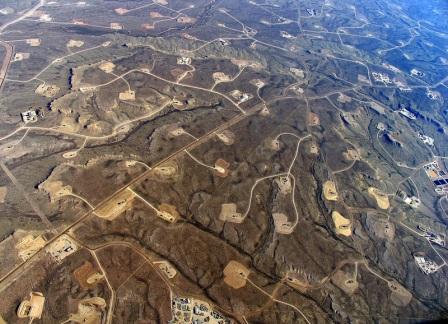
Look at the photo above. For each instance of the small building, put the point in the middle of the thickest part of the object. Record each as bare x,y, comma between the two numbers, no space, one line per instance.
116,26
62,248
425,139
406,113
79,21
32,308
184,60
29,116
426,265
45,17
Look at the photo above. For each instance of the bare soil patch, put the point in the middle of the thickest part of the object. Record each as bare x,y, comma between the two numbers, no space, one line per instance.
342,225
345,281
235,274
229,214
88,276
382,199
282,226
221,168
330,191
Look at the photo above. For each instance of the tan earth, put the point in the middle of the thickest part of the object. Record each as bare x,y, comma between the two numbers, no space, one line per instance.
89,311
69,124
87,276
116,206
74,43
243,63
21,56
330,191
3,192
128,95
32,308
221,77
229,214
107,67
189,37
114,25
313,119
314,149
235,274
265,111
154,14
275,144
399,296
351,155
345,281
297,72
227,137
168,213
174,130
258,83
147,26
178,72
37,13
282,226
342,225
284,184
55,189
33,42
121,11
28,246
384,229
297,280
63,247
47,90
382,199
70,155
363,78
185,20
221,168
165,171
378,108
169,171
343,98
167,269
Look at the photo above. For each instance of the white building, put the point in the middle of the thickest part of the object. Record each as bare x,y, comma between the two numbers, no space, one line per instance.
29,116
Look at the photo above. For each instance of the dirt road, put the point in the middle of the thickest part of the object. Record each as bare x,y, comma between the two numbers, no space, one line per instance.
5,64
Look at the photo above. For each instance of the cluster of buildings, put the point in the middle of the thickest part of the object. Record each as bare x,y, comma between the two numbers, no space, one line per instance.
381,77
29,116
195,311
61,248
406,113
426,265
433,95
438,176
286,35
425,139
223,42
240,96
413,201
435,238
417,72
32,308
184,60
